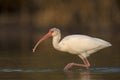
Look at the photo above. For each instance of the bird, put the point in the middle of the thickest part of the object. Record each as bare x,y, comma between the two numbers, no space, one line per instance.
81,45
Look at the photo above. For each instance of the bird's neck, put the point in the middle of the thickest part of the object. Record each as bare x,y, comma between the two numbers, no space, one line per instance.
56,40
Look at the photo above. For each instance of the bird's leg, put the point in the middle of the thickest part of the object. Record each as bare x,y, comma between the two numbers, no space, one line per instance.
85,61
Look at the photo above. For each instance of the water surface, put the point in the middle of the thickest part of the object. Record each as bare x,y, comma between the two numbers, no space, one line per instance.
48,65
59,74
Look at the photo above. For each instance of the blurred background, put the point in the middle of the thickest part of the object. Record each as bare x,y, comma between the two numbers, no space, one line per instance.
23,22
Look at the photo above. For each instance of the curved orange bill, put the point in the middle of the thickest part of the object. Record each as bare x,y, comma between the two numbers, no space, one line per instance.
49,34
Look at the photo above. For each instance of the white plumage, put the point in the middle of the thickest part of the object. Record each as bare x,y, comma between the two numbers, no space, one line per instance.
81,45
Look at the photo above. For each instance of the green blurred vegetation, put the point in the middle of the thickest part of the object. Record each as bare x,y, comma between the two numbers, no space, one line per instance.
22,22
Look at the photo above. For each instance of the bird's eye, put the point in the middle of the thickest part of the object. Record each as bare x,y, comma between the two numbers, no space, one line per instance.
51,31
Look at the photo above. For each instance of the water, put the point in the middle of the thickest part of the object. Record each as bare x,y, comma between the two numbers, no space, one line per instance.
57,74
48,65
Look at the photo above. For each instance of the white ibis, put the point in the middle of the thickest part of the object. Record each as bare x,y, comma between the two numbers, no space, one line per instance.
81,45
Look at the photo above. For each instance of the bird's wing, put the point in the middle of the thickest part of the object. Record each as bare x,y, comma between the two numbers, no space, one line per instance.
80,43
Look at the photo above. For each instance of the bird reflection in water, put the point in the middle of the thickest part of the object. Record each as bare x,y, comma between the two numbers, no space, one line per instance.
78,75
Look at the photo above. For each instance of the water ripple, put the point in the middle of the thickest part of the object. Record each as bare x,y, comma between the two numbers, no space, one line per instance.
27,70
105,69
55,70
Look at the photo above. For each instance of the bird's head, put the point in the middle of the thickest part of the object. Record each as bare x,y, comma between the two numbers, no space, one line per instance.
52,32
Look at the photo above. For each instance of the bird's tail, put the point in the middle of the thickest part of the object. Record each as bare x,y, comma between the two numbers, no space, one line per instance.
105,43
109,44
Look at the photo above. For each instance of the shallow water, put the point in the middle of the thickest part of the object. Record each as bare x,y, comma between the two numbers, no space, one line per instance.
58,74
49,65
95,70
